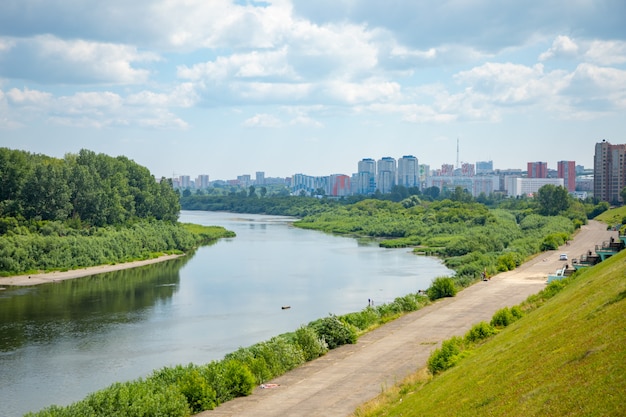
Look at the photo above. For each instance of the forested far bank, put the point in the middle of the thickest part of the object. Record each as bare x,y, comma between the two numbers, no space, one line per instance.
472,235
87,209
88,188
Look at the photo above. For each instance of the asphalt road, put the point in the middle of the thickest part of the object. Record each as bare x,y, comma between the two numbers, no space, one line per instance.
337,383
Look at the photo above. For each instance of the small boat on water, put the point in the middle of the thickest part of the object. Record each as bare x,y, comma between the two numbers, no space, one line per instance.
285,307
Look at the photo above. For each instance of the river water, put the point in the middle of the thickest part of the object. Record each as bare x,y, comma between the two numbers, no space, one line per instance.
59,342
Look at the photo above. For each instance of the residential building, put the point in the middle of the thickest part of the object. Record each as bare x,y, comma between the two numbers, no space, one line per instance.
259,178
609,172
537,170
202,182
484,167
567,171
408,171
517,187
467,170
339,185
386,174
366,176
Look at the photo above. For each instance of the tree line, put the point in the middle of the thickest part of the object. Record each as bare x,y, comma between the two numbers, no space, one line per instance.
87,209
95,189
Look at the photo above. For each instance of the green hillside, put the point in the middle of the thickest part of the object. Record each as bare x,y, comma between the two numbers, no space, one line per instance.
567,358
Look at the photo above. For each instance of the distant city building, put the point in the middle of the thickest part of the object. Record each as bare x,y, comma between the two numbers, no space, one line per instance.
517,187
339,185
386,174
185,181
447,170
366,176
467,170
567,171
202,182
244,180
408,171
609,172
537,170
486,184
259,178
484,167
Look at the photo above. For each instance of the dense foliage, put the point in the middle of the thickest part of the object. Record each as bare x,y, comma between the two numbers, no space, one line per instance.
184,390
95,189
52,245
243,203
469,236
85,210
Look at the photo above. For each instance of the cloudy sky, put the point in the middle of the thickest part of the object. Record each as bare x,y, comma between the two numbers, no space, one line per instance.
231,87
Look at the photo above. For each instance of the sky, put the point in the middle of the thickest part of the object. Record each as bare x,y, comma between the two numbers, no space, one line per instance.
232,87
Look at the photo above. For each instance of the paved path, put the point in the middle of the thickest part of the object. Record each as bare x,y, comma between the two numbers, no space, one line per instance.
337,383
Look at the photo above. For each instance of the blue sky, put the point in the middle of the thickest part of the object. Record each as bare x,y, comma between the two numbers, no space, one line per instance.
227,88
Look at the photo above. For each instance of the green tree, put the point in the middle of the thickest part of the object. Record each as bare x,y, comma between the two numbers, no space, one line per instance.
251,191
46,193
623,195
263,191
552,200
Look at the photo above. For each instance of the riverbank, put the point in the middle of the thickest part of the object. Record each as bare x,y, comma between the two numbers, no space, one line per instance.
345,378
57,276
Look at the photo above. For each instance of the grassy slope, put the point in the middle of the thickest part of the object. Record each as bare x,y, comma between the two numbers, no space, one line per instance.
566,358
613,216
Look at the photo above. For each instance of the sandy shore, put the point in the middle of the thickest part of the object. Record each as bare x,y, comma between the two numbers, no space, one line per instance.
44,278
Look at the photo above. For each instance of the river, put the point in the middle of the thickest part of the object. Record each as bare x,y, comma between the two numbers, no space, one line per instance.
59,342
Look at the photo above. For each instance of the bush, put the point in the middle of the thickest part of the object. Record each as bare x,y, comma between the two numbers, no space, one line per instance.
335,332
502,318
239,380
480,332
311,344
446,356
441,287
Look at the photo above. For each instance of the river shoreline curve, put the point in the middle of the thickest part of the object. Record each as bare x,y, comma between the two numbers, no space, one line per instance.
57,276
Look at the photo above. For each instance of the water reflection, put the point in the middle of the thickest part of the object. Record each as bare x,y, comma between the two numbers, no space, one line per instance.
82,306
74,337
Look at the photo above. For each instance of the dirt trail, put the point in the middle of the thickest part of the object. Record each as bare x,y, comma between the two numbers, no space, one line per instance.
337,383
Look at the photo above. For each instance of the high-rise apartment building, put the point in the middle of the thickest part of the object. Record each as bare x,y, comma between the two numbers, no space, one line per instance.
386,174
467,170
567,171
259,178
484,167
408,171
366,176
609,172
537,170
202,182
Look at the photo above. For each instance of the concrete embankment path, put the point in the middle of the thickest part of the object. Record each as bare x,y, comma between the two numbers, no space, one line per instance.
337,383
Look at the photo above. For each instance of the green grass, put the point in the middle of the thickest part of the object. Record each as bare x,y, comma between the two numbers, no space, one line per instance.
612,216
566,358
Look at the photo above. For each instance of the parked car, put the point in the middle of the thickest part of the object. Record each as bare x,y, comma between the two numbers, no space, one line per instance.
563,257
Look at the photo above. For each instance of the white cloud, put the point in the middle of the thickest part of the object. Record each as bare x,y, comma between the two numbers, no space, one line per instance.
263,120
606,52
562,47
27,97
90,109
48,59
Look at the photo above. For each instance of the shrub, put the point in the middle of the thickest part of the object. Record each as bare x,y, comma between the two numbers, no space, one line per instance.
239,380
506,316
138,398
441,287
334,332
446,356
479,332
200,396
311,344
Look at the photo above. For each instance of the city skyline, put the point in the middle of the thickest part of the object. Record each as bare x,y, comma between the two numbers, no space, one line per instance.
229,87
